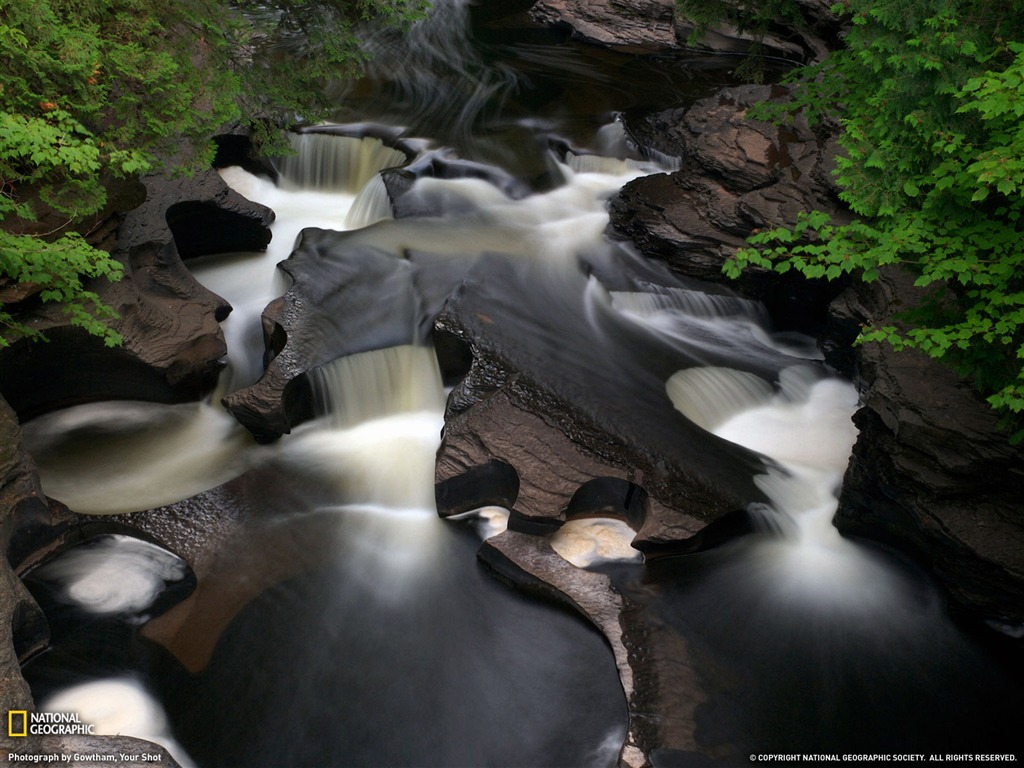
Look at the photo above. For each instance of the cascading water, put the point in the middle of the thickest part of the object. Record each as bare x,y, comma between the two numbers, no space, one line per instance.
338,621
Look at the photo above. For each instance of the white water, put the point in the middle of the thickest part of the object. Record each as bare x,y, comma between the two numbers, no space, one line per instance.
806,427
115,574
119,706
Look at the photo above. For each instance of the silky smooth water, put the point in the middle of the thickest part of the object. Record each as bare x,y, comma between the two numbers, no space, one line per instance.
337,621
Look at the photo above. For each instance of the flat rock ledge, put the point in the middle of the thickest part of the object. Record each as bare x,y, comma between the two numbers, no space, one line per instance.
173,344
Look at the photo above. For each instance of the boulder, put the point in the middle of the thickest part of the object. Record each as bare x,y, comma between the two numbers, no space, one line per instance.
932,472
173,343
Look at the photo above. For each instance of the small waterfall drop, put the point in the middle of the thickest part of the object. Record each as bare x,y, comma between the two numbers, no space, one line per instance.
371,205
330,163
384,382
709,396
381,418
805,427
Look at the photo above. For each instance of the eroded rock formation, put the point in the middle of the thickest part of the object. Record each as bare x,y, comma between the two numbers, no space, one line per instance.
30,524
345,299
173,343
545,410
932,471
738,176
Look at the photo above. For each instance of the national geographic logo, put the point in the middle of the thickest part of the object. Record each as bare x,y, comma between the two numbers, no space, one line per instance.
21,722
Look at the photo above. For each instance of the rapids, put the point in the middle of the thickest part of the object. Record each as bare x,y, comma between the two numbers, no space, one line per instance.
337,620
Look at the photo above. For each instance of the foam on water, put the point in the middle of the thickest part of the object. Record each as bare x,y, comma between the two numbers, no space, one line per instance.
387,462
806,427
114,574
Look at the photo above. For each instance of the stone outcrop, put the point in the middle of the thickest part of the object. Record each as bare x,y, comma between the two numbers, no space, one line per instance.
738,176
657,25
345,299
932,472
552,428
173,343
30,525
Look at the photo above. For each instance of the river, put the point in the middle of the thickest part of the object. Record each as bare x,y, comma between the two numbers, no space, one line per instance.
340,621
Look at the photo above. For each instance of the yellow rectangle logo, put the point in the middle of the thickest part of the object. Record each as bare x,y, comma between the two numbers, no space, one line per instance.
11,718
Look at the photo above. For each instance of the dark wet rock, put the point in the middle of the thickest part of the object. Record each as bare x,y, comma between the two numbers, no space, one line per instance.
173,344
932,472
345,299
656,25
641,23
388,135
545,410
30,525
407,202
738,176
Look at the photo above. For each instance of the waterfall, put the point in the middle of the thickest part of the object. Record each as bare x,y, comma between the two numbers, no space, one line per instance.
371,385
708,396
371,205
330,163
383,413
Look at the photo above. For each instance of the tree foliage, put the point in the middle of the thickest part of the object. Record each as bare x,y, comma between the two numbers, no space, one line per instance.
95,90
930,98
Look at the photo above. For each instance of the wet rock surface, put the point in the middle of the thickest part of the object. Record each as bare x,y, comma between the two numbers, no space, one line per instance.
538,419
173,343
932,471
345,299
30,524
739,176
655,668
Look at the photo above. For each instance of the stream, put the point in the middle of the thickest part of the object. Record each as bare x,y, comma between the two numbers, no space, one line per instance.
339,621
